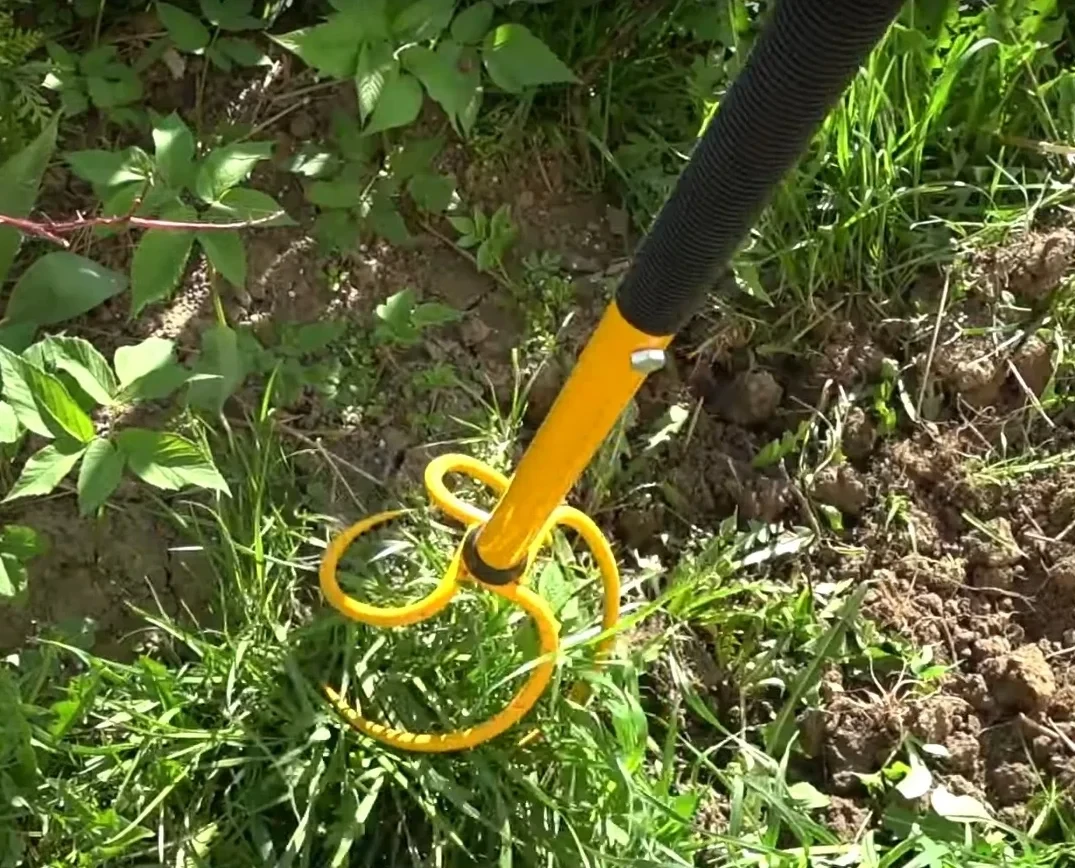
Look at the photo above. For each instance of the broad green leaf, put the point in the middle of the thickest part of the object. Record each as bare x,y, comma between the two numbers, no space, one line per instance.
414,157
315,336
99,60
18,544
174,149
376,64
158,384
17,337
99,475
330,48
12,577
227,254
399,105
218,58
60,286
433,313
122,87
43,471
242,204
21,542
168,461
20,177
58,409
9,423
80,359
808,796
149,371
134,362
423,19
160,260
396,310
473,23
431,191
16,380
231,14
440,77
485,259
335,194
244,52
187,32
41,401
338,229
516,59
353,145
109,169
227,167
219,358
463,225
462,90
314,162
384,219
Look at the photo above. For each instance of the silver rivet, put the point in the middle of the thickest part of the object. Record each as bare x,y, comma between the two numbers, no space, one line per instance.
647,361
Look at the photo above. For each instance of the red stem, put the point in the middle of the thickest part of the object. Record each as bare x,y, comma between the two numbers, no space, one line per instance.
52,230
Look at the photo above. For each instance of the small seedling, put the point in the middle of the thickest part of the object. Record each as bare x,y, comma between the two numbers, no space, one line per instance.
403,318
492,236
292,356
356,192
98,78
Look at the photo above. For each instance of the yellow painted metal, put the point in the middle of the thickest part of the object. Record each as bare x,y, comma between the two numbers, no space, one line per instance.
599,388
432,604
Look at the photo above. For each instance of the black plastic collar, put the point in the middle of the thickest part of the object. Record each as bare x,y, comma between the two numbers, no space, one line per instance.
480,570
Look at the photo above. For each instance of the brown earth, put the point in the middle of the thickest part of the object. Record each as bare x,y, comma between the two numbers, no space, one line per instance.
966,554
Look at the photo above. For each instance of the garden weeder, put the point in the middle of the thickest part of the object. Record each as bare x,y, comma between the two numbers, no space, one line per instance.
802,62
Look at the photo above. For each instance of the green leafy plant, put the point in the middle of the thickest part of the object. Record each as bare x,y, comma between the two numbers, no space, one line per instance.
360,192
288,353
98,78
187,33
18,546
187,195
50,390
23,106
424,44
403,318
491,235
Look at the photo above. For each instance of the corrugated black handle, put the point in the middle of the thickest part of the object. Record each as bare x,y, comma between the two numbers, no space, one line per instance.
803,60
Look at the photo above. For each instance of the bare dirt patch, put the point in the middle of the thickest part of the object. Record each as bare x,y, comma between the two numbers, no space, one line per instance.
96,572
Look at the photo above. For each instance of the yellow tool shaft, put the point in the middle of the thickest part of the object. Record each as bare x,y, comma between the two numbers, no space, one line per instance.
601,385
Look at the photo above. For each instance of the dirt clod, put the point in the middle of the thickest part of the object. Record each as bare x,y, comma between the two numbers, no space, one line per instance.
1033,265
750,399
841,487
860,434
1021,680
1012,783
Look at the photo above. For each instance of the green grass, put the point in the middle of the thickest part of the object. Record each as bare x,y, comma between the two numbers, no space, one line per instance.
217,748
956,127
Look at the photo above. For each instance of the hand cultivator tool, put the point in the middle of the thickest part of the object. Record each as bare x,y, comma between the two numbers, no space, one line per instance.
800,65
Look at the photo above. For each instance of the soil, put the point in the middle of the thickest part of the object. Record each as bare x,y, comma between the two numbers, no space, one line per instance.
95,574
981,570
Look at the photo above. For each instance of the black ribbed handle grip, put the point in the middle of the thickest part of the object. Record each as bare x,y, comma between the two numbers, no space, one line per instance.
803,60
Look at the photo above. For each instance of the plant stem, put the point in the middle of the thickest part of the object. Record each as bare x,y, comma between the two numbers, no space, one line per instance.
54,230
